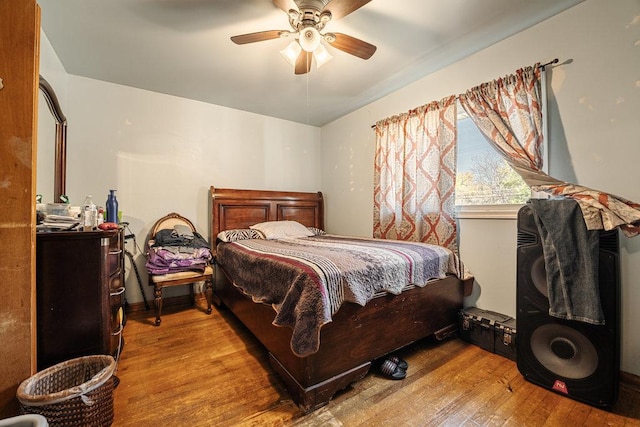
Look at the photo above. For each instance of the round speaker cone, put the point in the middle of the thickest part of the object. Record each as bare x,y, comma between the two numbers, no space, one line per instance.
539,276
564,351
563,348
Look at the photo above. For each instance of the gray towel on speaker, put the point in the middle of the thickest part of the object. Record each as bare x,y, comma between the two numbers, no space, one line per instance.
571,255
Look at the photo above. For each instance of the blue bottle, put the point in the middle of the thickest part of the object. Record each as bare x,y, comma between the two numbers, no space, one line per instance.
112,207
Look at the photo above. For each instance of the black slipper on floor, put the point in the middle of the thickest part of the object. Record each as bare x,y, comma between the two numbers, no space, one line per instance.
392,371
402,364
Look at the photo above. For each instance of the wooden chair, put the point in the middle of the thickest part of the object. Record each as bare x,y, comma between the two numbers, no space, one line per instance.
161,281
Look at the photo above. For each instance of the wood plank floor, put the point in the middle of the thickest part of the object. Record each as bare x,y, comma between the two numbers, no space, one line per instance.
207,370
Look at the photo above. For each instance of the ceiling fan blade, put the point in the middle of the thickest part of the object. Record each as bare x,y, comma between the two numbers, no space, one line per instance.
303,63
286,5
341,8
354,46
256,37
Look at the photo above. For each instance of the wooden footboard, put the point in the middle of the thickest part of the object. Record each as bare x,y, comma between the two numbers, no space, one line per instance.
357,336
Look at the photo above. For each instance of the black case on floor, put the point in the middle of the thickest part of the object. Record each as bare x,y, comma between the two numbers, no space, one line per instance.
489,330
505,339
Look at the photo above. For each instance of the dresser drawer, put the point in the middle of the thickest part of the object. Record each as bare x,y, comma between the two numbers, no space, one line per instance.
114,261
116,335
116,298
116,282
114,257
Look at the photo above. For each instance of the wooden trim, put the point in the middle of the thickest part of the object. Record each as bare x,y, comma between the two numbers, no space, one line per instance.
177,301
60,169
19,57
630,380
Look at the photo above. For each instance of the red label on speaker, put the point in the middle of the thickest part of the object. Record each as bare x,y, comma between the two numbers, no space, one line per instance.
560,386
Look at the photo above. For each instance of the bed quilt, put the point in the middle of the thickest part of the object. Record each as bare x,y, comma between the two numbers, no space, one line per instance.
306,280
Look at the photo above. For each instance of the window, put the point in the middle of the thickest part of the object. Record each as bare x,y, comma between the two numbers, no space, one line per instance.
486,186
483,176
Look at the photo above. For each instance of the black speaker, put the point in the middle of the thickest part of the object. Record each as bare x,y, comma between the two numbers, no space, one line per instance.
577,359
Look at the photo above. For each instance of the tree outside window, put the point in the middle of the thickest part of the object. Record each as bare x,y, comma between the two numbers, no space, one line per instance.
483,176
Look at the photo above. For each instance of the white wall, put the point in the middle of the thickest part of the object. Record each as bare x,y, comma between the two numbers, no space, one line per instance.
594,128
162,153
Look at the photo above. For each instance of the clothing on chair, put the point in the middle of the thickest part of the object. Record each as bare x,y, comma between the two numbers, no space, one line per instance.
169,237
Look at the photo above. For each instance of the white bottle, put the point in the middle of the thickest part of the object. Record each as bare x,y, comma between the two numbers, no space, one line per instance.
89,214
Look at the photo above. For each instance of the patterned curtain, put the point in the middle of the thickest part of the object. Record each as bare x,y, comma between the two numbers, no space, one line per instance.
414,175
508,112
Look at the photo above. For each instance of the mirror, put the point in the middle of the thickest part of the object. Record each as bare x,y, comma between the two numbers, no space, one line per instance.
51,154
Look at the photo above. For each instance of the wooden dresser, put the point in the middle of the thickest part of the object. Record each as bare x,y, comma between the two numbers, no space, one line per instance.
80,294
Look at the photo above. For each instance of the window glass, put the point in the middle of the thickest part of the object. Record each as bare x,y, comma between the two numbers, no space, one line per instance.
483,176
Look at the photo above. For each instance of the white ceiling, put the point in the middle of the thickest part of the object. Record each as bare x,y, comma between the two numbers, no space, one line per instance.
182,48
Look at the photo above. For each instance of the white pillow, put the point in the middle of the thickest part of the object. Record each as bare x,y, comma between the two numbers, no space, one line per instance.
282,229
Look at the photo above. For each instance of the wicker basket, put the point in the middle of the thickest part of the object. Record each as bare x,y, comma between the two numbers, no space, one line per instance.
78,392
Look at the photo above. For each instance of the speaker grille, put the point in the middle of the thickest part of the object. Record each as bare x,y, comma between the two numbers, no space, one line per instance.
577,359
609,241
564,351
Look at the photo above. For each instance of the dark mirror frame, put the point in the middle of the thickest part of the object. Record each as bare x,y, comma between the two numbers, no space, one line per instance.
60,168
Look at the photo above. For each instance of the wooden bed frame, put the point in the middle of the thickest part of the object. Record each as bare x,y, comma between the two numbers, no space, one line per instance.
357,335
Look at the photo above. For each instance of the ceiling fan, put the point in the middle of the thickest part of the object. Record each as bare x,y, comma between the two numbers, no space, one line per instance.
307,19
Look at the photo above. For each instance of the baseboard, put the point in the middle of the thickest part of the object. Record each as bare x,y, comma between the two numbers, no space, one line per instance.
630,381
181,300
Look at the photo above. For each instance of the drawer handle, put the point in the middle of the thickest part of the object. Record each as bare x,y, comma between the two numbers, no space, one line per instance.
118,292
118,332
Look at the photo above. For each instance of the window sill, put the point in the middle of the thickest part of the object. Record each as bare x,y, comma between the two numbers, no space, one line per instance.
487,211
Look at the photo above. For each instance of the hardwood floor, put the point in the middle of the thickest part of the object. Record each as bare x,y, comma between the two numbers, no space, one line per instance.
207,370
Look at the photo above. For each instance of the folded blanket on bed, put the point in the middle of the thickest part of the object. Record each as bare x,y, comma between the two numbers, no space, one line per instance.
306,280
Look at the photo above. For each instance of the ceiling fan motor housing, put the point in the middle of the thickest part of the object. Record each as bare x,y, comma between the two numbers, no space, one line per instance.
312,4
309,17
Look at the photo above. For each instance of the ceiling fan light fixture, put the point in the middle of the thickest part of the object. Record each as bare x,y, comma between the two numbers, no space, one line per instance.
291,52
308,19
309,39
321,56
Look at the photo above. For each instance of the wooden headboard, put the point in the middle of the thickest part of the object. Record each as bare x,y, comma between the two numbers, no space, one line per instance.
241,208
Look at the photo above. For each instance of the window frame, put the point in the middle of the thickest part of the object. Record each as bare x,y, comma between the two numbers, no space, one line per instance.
508,211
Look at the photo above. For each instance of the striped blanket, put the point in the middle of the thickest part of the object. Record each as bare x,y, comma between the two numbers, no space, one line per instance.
306,280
